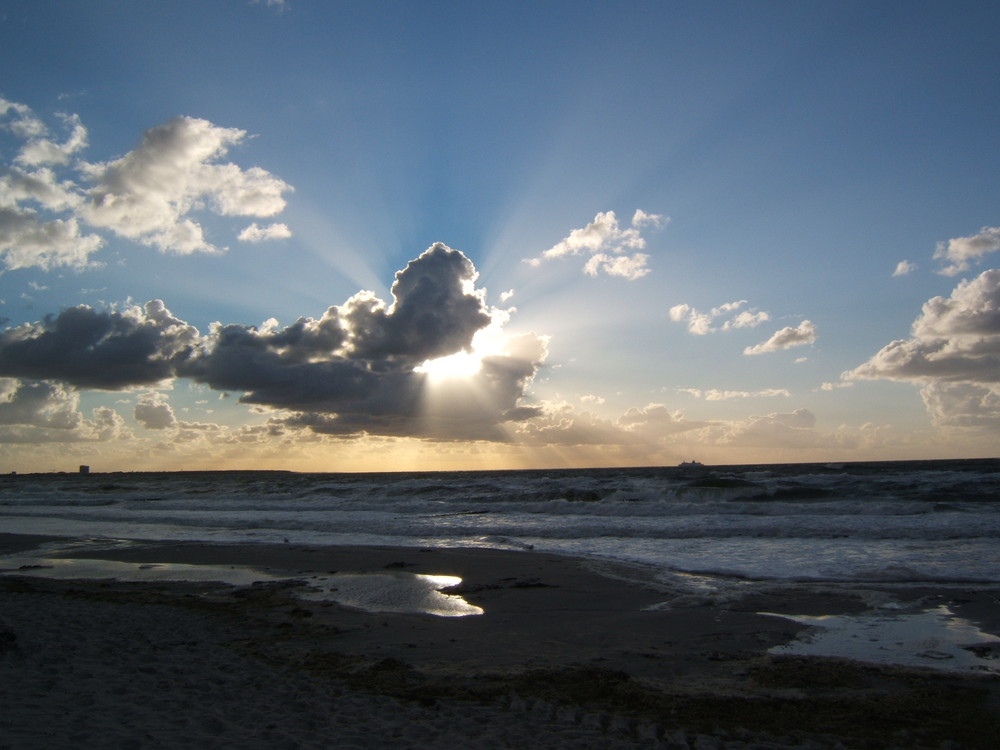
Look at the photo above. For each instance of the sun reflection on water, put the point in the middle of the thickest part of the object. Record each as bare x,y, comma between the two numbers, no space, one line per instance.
395,591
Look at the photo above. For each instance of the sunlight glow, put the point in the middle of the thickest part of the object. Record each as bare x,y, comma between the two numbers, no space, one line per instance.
455,366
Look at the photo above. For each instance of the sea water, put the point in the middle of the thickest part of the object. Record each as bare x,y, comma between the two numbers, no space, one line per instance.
708,534
701,527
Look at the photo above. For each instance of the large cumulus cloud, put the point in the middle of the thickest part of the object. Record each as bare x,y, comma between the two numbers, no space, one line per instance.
107,350
355,369
953,352
50,200
147,194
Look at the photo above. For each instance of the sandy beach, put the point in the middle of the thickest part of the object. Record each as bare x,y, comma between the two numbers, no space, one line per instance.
565,654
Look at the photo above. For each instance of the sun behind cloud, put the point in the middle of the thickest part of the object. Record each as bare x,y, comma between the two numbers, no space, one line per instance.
456,366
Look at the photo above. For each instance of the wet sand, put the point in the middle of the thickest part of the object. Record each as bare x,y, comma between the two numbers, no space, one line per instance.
566,654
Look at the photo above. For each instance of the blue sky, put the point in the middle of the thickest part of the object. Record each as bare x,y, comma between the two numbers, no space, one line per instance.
669,231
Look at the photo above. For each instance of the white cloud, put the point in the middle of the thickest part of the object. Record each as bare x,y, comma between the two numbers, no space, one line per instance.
903,268
23,123
788,337
629,267
254,233
963,404
794,429
713,394
45,151
701,323
40,187
148,195
953,353
612,249
955,339
835,386
959,251
638,428
26,241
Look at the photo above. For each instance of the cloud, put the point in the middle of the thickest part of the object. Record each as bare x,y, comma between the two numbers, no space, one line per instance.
354,370
953,353
954,339
612,249
903,268
790,430
963,405
700,323
717,395
21,121
38,404
153,412
253,233
42,412
357,362
107,350
836,386
26,242
960,251
149,195
786,338
40,150
645,429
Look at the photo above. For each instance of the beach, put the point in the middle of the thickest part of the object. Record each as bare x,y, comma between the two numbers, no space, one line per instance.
566,653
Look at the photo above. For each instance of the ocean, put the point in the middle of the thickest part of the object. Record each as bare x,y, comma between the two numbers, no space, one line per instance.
711,531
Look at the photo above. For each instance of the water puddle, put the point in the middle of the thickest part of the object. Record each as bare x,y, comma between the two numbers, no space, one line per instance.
394,591
391,592
933,638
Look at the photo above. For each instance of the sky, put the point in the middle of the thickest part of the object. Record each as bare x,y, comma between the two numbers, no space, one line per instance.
367,236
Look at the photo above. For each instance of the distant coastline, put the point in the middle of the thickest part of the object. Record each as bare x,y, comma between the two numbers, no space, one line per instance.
822,466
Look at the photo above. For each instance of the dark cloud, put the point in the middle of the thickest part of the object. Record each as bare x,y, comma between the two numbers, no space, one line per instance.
107,350
436,311
358,360
356,369
47,405
154,412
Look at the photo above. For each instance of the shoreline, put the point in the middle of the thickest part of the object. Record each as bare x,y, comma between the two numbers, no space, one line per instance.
557,642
